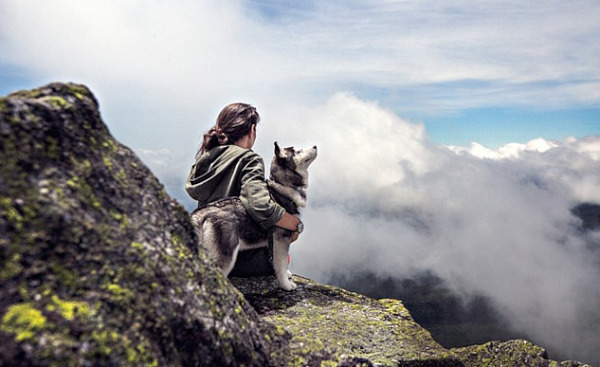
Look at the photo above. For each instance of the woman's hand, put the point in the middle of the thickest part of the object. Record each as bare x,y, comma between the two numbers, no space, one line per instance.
290,223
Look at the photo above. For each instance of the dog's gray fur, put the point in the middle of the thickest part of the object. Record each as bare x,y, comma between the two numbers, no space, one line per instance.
224,227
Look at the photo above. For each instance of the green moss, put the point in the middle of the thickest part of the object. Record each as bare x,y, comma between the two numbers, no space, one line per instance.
11,214
107,162
137,245
116,215
124,222
111,342
55,101
73,182
509,353
85,191
179,244
110,146
66,277
119,292
121,177
4,106
11,267
24,320
70,309
53,148
78,90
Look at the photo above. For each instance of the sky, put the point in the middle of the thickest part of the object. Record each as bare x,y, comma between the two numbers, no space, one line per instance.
454,137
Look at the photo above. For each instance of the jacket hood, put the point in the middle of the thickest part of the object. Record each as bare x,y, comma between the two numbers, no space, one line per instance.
211,169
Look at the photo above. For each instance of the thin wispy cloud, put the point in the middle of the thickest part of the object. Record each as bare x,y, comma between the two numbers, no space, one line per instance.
506,46
506,52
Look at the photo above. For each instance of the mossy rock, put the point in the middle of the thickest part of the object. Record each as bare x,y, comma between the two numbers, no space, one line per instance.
99,266
330,325
509,353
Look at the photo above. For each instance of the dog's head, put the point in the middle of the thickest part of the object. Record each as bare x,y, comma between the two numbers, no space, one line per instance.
294,160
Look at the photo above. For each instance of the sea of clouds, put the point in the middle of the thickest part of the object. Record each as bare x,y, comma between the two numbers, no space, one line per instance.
383,198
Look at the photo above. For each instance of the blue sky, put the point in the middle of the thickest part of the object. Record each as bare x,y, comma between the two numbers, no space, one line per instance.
496,126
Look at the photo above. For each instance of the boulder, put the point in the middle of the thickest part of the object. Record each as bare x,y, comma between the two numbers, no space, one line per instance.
99,266
330,324
509,353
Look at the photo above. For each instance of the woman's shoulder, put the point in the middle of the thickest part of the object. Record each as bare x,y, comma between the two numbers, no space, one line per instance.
228,154
244,153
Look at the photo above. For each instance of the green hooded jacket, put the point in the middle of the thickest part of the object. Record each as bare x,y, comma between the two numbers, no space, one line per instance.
228,170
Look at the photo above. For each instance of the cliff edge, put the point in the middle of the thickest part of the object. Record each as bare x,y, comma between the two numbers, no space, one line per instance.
100,267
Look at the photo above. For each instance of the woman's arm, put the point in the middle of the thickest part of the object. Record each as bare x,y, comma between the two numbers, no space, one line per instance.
254,194
290,223
258,202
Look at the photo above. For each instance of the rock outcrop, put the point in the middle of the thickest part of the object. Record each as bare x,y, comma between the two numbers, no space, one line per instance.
329,324
100,267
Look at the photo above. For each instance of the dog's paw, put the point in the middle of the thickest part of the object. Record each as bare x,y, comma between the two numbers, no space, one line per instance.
289,286
289,274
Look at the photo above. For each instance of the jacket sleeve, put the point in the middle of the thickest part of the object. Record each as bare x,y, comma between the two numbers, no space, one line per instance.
255,194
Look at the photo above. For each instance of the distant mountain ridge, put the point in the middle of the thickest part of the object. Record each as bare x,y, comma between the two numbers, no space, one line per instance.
589,213
100,267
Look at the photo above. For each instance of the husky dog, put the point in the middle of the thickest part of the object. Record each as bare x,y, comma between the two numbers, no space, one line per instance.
224,227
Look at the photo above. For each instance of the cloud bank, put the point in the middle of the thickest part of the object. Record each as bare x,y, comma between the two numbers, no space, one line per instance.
384,199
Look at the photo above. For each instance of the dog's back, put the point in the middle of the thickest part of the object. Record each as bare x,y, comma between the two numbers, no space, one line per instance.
221,226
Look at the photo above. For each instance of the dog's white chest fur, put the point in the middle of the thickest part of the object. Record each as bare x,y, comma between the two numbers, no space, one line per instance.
289,192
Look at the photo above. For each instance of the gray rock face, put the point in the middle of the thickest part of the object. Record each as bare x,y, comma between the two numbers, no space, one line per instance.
100,267
331,325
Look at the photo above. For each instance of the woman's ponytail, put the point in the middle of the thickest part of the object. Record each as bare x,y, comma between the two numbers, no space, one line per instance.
234,122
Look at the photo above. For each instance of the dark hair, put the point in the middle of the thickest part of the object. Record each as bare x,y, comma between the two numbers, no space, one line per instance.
234,122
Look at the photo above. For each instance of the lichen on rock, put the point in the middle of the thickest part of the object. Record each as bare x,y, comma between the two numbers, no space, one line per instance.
330,324
509,353
99,266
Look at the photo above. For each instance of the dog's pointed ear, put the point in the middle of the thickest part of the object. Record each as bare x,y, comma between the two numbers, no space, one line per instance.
280,155
278,150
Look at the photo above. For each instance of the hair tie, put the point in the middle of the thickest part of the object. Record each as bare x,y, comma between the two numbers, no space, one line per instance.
222,138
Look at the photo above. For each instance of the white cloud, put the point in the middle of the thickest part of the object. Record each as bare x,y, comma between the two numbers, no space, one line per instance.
512,150
385,199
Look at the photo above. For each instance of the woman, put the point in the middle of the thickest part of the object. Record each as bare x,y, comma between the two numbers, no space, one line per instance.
226,166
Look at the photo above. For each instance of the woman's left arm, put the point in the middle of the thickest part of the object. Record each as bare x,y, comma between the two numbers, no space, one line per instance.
255,194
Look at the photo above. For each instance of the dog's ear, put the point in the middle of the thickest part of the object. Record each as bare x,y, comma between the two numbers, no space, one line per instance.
278,150
281,156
